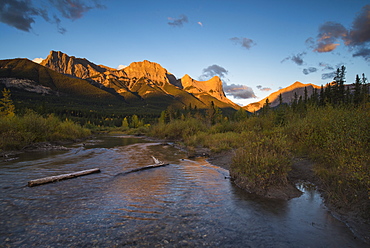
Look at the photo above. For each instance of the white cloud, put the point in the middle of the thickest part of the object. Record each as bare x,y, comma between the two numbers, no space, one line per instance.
200,24
120,67
38,60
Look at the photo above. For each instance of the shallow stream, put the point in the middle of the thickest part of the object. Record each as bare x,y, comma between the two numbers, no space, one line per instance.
188,203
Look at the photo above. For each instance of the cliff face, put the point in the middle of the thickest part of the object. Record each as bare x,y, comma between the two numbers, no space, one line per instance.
286,93
212,87
142,80
149,70
81,68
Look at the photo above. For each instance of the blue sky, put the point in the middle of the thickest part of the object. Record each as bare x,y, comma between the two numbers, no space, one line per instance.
256,47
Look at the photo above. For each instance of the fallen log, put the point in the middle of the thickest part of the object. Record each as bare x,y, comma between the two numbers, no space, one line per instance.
61,177
142,168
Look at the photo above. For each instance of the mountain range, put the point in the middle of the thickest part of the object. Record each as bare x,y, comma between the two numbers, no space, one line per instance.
63,82
143,82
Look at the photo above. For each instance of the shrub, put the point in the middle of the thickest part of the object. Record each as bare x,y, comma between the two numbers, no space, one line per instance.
263,160
338,140
19,131
177,129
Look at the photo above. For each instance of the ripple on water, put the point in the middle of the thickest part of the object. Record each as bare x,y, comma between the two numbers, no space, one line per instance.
187,203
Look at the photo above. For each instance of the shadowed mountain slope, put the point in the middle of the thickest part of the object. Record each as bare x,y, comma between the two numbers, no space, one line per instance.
58,83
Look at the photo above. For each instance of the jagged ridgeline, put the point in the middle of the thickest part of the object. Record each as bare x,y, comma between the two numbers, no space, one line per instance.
79,89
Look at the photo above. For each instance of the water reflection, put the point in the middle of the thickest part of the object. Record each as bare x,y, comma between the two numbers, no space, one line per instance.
187,203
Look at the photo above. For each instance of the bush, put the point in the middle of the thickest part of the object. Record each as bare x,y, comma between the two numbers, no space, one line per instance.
217,141
263,160
19,131
338,140
177,129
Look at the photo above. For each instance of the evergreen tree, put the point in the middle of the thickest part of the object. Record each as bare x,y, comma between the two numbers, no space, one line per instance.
240,115
135,122
266,106
171,113
125,124
365,90
305,95
214,114
6,104
280,99
328,96
162,118
358,89
322,96
314,99
341,88
294,102
337,89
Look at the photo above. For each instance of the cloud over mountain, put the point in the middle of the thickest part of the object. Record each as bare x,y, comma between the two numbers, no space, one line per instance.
213,70
177,22
239,91
38,60
236,90
21,14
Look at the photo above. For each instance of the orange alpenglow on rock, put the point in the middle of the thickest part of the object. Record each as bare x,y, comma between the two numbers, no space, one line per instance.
212,86
287,95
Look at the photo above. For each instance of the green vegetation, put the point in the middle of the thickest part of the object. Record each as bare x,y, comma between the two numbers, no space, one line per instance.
338,139
17,132
330,127
264,160
7,108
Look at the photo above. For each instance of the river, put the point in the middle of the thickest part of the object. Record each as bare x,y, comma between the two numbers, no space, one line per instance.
188,203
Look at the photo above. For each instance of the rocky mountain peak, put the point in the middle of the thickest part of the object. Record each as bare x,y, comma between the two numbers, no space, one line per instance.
150,70
212,87
78,67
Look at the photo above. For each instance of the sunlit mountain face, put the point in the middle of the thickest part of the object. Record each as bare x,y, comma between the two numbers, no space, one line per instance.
287,95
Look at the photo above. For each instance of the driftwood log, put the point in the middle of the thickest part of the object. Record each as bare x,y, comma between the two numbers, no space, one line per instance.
61,177
142,168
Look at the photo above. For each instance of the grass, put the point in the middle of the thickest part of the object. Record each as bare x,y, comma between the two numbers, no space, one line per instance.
264,160
19,131
178,129
335,138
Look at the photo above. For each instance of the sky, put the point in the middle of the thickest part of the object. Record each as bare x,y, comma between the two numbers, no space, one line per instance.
255,47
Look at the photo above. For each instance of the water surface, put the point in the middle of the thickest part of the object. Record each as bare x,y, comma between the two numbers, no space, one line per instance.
188,203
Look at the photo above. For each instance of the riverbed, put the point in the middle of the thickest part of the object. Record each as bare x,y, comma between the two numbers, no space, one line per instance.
188,203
